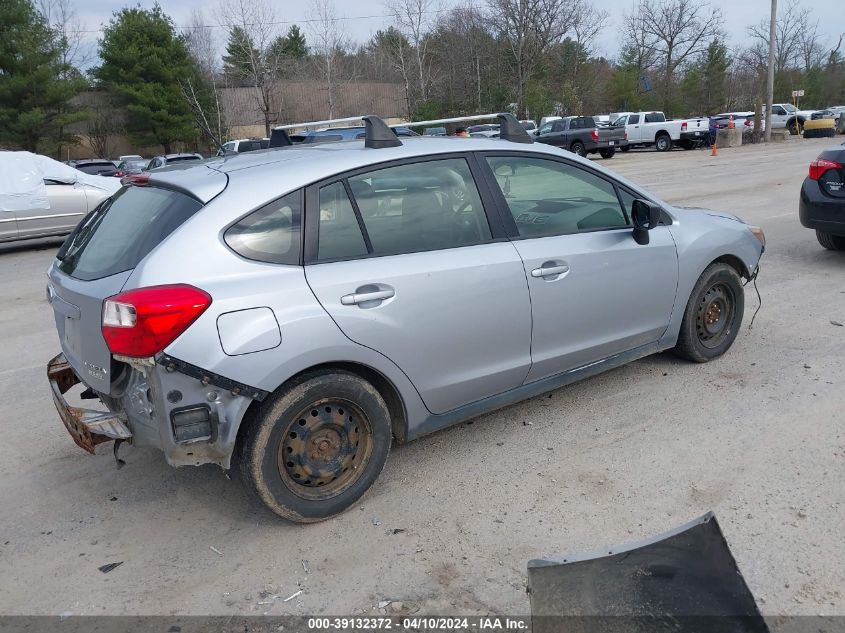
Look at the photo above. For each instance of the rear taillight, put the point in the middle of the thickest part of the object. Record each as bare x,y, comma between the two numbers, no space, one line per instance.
626,135
119,174
683,126
142,322
594,134
820,166
136,179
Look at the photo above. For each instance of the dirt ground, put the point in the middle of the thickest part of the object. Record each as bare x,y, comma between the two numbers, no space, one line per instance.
757,436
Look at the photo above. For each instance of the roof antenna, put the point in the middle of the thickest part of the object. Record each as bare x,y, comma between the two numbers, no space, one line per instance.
511,130
378,135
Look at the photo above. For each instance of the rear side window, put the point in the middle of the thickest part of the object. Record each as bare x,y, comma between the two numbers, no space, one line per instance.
339,235
634,118
655,117
270,234
120,232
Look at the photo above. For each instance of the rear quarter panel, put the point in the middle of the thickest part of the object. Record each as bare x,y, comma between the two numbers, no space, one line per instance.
701,238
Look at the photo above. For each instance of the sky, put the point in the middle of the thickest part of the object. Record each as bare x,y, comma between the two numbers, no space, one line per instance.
365,17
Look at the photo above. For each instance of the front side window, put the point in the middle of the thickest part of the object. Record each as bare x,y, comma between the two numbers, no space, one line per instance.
270,234
420,207
547,197
546,128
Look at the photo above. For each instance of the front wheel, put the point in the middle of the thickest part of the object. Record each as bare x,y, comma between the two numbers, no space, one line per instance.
831,242
578,148
795,126
663,143
312,450
713,315
608,153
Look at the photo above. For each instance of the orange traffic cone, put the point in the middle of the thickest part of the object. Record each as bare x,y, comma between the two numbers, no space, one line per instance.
731,122
713,150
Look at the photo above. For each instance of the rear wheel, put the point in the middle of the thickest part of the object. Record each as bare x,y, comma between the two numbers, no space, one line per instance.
313,450
625,148
663,143
831,242
686,144
578,148
608,153
713,315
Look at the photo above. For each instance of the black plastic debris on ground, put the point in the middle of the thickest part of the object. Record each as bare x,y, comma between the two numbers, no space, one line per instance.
109,567
683,581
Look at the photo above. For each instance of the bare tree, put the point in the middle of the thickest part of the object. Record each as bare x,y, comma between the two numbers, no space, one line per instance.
675,31
203,93
62,18
530,27
256,21
792,21
810,45
415,19
102,126
327,31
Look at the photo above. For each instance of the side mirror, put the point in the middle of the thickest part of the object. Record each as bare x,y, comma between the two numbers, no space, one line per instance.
645,216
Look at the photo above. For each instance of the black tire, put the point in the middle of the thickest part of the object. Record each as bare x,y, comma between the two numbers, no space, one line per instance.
578,148
608,153
713,315
663,143
312,450
831,242
795,126
625,148
686,144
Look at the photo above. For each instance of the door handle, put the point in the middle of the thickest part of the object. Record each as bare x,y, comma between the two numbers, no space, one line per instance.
549,271
361,297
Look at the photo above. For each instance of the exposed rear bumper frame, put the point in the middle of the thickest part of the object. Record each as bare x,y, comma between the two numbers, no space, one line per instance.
87,427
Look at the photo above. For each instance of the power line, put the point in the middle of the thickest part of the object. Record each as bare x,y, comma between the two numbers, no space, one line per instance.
195,27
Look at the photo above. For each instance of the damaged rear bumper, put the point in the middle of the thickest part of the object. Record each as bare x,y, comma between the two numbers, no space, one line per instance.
87,427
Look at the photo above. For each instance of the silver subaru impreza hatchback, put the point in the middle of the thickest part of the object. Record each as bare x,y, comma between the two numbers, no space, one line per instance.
289,313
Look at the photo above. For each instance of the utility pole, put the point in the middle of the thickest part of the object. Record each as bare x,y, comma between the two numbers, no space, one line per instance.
770,81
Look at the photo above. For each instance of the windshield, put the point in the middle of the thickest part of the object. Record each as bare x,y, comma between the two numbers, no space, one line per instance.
788,107
122,230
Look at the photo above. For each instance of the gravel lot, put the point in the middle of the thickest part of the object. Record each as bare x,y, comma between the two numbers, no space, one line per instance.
757,436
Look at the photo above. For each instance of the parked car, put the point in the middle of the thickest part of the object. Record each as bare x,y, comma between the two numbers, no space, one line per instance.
822,203
528,125
41,197
646,129
244,145
488,129
786,115
333,134
434,131
834,112
130,157
171,159
96,167
580,135
313,329
130,166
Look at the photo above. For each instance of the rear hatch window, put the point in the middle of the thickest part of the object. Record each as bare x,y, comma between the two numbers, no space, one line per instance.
119,233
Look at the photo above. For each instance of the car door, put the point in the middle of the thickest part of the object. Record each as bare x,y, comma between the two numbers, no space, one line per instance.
635,134
778,116
68,205
406,261
8,225
594,291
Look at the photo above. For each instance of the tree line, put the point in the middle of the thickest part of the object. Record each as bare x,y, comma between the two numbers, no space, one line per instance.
533,57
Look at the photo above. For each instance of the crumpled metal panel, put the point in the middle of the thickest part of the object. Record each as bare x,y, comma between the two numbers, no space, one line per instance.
684,581
87,427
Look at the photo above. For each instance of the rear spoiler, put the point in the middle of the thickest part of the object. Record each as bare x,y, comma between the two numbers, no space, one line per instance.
379,134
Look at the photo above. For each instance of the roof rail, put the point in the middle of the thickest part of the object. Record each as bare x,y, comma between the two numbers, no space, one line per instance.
379,134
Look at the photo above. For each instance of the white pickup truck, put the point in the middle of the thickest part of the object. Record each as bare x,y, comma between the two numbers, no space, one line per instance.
653,128
785,115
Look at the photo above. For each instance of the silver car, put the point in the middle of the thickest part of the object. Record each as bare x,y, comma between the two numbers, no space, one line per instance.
289,313
54,204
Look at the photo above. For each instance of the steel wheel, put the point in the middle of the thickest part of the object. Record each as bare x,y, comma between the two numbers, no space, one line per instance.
323,448
715,315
